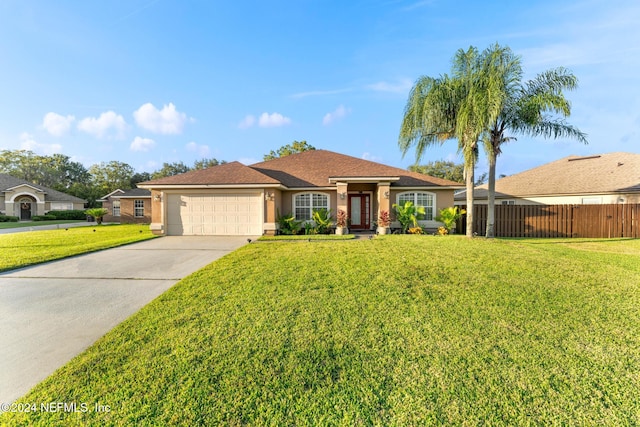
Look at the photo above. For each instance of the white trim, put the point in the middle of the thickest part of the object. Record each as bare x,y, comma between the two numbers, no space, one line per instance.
293,202
35,196
371,179
433,195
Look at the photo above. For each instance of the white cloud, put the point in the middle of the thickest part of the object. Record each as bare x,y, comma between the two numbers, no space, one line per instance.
101,126
402,86
142,144
337,114
166,121
371,157
273,120
28,143
202,150
56,124
247,122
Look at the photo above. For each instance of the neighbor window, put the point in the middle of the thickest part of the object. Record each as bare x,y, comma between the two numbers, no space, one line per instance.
508,202
138,208
426,200
305,204
115,207
61,206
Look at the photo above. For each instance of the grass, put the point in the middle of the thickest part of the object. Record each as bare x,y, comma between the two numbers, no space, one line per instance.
33,247
399,330
24,224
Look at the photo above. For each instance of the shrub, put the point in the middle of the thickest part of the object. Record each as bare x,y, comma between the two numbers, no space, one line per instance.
341,218
415,230
449,216
97,213
9,218
69,215
322,218
408,215
45,217
384,220
288,224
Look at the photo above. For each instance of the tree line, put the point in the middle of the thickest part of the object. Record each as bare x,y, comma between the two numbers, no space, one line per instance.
60,173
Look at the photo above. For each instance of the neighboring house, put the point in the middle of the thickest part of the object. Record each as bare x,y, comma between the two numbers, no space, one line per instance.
128,206
234,199
598,179
24,199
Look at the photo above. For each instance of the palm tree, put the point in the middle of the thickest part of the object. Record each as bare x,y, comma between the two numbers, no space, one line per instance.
461,106
528,110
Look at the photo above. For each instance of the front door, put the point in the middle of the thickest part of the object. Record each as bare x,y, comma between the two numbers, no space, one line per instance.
360,211
25,210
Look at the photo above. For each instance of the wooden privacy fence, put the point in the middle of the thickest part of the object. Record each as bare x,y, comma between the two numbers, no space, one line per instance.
597,221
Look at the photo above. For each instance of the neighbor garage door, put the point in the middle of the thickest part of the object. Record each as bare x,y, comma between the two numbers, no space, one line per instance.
214,214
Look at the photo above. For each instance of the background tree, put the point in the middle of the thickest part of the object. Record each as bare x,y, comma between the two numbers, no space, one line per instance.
441,169
140,177
285,150
170,169
460,106
530,109
207,163
107,177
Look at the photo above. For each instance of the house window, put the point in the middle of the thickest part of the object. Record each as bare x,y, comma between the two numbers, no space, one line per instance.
61,206
426,200
305,204
115,207
508,202
138,208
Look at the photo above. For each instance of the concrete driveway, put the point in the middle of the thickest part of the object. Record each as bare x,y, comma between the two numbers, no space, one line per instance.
51,312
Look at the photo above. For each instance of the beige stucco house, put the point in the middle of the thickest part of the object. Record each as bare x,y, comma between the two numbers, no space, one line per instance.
131,206
24,199
234,199
598,179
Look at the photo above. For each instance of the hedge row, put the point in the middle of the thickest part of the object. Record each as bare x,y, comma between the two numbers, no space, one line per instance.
8,218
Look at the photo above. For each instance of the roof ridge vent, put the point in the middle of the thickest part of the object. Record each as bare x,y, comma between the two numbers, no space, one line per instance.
585,158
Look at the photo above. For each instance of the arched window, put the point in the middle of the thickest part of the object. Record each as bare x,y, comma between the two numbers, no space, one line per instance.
304,204
426,200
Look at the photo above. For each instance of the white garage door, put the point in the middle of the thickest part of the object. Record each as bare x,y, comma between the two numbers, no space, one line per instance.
214,214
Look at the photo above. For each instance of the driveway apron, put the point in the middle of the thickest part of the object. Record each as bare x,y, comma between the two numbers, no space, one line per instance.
52,312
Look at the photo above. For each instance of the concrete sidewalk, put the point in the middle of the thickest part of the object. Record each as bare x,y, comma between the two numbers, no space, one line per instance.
52,312
46,227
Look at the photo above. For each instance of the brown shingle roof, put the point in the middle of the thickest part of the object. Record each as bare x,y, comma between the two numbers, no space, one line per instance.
604,173
233,173
314,168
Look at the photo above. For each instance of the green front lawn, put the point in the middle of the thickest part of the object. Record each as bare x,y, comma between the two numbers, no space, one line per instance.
398,330
33,247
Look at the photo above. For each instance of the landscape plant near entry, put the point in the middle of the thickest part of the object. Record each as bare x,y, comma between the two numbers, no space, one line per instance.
341,218
287,224
322,220
449,216
384,220
408,215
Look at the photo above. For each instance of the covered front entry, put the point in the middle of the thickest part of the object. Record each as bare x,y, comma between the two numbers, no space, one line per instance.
230,214
360,211
25,208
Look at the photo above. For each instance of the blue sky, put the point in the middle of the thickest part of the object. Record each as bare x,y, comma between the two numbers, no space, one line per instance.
146,82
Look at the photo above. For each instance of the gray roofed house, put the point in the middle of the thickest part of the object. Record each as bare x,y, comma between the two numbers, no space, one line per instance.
25,199
596,179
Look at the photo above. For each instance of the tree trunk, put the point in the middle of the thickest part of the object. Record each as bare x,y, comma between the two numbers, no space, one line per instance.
469,177
491,199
